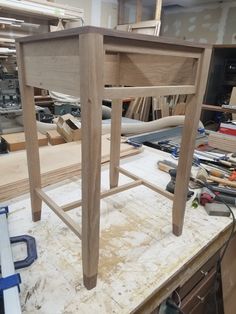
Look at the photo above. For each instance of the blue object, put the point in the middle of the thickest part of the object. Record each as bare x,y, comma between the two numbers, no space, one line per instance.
31,250
4,210
10,282
201,130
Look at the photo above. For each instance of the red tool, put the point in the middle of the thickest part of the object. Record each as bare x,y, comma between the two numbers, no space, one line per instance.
232,177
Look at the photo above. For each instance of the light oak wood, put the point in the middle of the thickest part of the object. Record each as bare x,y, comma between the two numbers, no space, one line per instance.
192,117
59,212
125,47
116,115
31,136
16,141
118,92
151,186
58,163
222,141
158,10
108,193
144,74
91,87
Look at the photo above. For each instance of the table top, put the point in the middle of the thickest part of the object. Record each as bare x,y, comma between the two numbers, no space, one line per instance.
138,252
110,33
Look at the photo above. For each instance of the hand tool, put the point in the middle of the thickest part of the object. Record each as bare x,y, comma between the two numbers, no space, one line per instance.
232,177
171,185
203,176
207,196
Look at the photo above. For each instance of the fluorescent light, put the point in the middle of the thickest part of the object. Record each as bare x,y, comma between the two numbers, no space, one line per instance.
9,21
34,7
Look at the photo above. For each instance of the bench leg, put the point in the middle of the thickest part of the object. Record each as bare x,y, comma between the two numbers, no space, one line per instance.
192,117
91,91
31,137
116,115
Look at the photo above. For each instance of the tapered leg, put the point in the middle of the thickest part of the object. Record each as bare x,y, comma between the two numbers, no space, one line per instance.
192,117
115,142
91,91
30,128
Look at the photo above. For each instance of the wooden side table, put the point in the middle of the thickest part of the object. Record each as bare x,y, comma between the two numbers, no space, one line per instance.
80,62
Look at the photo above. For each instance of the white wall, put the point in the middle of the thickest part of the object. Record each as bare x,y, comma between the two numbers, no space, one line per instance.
214,23
96,12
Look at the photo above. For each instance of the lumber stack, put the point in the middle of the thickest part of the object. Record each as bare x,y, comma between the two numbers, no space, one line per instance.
139,109
222,141
57,163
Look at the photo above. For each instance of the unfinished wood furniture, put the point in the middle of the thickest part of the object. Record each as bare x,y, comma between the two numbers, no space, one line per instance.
80,62
141,24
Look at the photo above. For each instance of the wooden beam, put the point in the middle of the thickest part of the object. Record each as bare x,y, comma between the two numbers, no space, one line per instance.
59,212
116,115
110,192
189,132
112,47
139,10
122,92
91,92
151,186
31,135
158,10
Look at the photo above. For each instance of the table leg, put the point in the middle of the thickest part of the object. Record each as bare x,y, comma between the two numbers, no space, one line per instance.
31,137
91,91
116,115
189,133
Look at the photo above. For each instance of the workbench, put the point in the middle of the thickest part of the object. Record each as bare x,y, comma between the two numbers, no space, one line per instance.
141,261
93,64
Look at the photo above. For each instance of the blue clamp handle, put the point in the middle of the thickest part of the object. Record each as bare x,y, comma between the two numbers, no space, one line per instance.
4,210
10,282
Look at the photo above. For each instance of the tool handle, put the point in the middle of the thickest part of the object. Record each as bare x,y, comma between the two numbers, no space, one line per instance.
162,166
226,198
216,173
222,181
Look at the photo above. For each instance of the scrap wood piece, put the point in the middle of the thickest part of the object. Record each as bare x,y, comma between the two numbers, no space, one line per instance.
57,163
16,141
54,137
222,141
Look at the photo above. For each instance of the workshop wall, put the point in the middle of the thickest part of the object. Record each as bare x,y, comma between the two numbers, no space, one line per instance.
205,23
96,12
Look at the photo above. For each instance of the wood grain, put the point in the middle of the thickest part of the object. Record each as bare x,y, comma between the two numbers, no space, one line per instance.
116,115
31,136
91,89
16,141
192,117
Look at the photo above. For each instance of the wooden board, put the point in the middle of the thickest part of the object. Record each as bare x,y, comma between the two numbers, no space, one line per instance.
16,141
222,141
54,137
58,163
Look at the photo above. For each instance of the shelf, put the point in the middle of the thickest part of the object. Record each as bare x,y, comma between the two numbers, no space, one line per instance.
217,108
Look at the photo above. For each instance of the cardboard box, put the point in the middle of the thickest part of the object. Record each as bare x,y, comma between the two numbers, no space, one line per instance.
69,128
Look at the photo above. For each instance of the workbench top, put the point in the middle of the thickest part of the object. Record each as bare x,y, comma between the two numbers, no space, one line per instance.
138,252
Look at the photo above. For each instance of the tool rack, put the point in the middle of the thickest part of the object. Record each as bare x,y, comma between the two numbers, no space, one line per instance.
82,62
